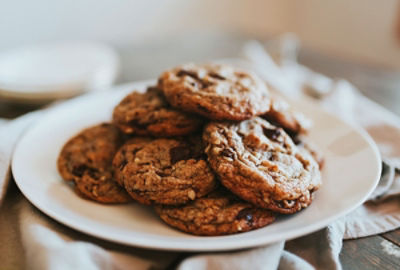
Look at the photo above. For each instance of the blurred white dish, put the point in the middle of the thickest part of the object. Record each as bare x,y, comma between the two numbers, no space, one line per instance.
43,72
352,170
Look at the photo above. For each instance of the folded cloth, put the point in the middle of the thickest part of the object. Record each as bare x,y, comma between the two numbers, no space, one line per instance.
381,213
29,239
9,134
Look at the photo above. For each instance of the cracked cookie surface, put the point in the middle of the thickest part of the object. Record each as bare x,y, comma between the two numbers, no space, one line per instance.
150,114
86,159
218,213
215,91
164,171
260,163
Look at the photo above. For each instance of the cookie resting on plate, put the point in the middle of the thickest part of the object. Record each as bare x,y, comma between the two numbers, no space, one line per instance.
164,171
260,163
150,114
86,159
215,91
219,213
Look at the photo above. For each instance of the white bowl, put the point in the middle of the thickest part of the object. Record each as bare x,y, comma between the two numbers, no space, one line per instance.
43,72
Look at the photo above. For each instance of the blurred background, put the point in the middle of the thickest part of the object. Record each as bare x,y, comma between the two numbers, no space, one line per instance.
358,40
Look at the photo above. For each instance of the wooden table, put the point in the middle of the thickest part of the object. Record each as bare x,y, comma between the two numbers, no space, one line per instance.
375,252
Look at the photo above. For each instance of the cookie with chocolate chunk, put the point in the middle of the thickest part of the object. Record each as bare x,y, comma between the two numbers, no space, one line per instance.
215,91
150,114
164,171
219,213
281,114
260,163
86,159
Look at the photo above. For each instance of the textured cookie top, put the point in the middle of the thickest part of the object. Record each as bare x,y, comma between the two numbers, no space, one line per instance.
215,91
150,114
218,213
260,163
87,158
165,171
281,114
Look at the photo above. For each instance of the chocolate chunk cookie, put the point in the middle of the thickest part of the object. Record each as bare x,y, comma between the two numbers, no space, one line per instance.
150,114
260,163
86,160
281,114
218,213
164,171
215,91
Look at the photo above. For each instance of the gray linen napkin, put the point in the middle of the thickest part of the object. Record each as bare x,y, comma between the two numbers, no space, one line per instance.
10,131
381,213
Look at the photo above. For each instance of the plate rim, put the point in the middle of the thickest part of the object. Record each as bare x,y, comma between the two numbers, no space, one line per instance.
176,245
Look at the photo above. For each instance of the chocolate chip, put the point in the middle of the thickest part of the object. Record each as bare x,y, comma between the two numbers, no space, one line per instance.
204,84
296,139
179,153
123,164
82,169
199,83
272,134
227,153
79,170
192,74
161,174
272,156
246,215
216,76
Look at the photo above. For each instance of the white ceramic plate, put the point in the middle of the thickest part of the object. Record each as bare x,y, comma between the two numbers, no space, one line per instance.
43,72
351,172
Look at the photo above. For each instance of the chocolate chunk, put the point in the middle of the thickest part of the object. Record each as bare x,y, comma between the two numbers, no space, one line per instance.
216,76
272,134
296,139
161,174
123,164
227,153
192,74
245,214
82,169
199,82
79,170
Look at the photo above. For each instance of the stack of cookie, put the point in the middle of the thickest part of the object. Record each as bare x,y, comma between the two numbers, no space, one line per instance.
208,146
